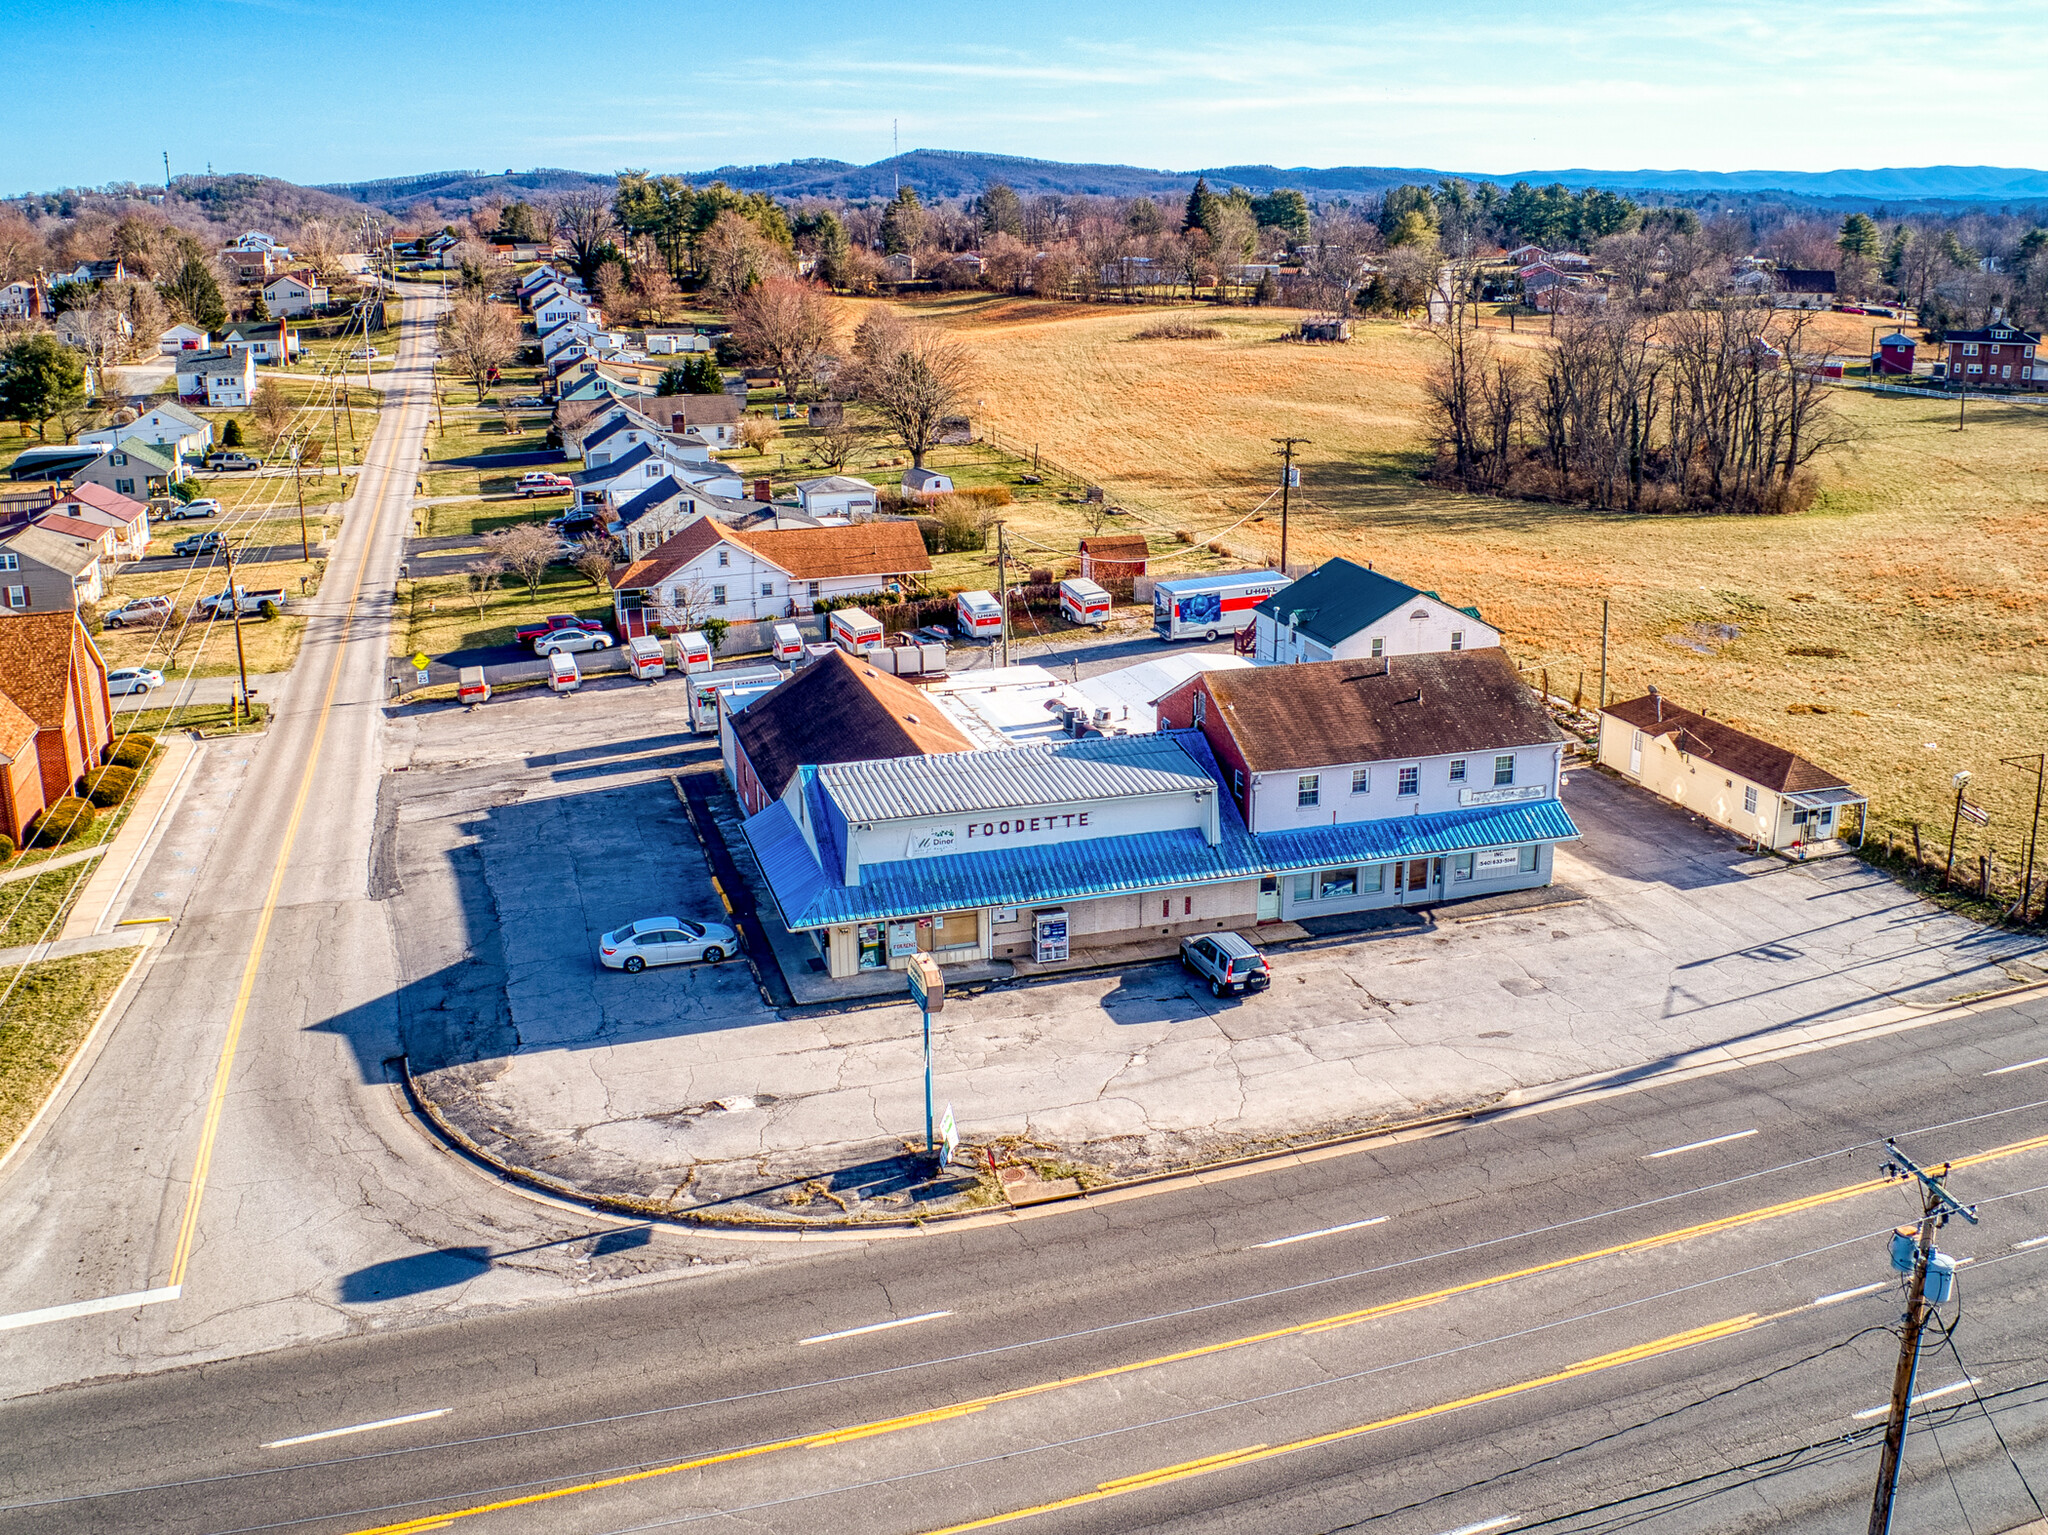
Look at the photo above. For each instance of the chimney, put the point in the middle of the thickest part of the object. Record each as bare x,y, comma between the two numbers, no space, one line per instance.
1657,698
677,421
764,490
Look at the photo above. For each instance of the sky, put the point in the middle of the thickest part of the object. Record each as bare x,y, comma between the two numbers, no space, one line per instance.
318,90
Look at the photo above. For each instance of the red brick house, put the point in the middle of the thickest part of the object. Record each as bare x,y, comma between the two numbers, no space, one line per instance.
56,716
2000,356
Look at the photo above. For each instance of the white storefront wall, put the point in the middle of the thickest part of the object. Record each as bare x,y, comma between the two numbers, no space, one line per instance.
1330,891
1422,626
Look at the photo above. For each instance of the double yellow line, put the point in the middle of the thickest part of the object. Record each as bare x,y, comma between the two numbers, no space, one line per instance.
831,1437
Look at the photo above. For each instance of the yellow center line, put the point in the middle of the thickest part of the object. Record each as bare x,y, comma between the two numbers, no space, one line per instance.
831,1437
188,1226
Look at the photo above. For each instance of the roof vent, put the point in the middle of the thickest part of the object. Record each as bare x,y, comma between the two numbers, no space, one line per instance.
910,719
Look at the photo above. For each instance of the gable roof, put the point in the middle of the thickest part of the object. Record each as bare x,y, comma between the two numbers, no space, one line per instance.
1337,599
1126,547
1320,713
862,549
176,412
95,495
1773,767
72,527
695,409
2001,332
838,709
53,550
670,556
40,651
151,454
664,490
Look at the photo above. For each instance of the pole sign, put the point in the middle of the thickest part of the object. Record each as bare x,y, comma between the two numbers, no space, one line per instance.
927,985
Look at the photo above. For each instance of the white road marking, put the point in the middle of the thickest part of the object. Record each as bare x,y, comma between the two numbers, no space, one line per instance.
1925,1396
1480,1529
1718,1140
2020,1247
1327,1231
356,1428
90,1307
1869,1289
855,1332
2022,1066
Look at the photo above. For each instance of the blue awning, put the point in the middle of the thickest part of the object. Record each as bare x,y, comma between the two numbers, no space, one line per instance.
1416,836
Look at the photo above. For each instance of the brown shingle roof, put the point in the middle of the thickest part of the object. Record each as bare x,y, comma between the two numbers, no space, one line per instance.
1771,767
860,549
1118,546
838,709
35,663
695,409
670,555
17,730
1319,713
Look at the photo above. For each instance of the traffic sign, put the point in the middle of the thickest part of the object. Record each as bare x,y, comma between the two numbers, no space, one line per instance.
421,661
927,985
949,1135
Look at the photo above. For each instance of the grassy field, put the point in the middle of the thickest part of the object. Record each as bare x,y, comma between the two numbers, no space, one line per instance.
48,1014
1911,590
439,616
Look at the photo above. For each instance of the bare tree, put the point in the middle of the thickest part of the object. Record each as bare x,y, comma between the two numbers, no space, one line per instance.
272,407
584,223
757,432
594,558
477,336
836,446
526,548
786,324
915,384
736,257
482,577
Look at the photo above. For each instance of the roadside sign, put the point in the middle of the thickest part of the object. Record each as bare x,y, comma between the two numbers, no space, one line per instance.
949,1136
927,985
421,676
422,661
1976,813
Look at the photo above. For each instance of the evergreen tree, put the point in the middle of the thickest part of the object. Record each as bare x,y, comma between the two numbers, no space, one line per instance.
193,292
701,375
903,223
1285,209
1144,217
231,434
259,310
517,225
1000,211
1201,208
830,241
40,377
1895,254
1859,237
1408,216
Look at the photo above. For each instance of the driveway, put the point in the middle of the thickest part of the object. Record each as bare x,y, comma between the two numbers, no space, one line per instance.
1668,940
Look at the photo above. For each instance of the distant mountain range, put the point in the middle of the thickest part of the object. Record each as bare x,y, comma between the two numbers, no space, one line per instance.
957,173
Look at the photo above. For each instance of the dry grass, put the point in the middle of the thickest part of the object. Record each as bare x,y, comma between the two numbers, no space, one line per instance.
53,1005
1922,561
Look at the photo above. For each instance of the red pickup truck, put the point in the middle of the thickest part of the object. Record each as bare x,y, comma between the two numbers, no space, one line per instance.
527,634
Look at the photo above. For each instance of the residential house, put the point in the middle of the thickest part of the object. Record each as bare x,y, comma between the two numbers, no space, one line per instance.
836,495
93,271
602,383
710,570
253,266
125,517
669,343
565,306
221,377
714,419
2000,356
837,709
1788,287
87,328
99,537
133,468
56,717
45,572
926,482
1114,560
178,431
1762,792
267,341
611,485
183,338
21,301
295,294
1406,781
1344,612
1528,255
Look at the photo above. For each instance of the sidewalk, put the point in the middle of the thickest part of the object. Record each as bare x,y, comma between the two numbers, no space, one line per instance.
63,948
97,906
200,690
62,861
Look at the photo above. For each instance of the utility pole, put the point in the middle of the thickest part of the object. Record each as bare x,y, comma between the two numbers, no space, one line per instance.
1936,1207
1962,782
2039,762
1003,588
1289,478
235,607
1603,654
299,485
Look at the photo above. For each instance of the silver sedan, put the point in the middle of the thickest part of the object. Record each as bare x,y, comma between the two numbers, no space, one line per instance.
665,941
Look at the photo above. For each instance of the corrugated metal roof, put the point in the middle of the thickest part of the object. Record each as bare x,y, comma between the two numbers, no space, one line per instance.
1416,836
1058,772
785,858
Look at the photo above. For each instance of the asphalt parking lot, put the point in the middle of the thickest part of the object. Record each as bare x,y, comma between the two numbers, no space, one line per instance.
515,834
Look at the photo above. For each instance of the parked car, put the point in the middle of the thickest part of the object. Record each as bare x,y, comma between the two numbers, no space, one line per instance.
205,506
541,482
528,634
138,610
665,941
199,543
133,679
571,642
365,354
528,402
1227,962
247,599
233,460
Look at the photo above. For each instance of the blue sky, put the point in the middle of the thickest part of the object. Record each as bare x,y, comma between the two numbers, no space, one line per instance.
315,90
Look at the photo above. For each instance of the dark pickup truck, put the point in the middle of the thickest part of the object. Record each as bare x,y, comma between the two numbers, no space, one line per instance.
527,634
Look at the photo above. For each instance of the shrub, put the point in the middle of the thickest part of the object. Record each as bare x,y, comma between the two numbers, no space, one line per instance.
111,785
1183,536
1177,330
986,497
960,526
933,532
134,752
63,819
6,847
267,608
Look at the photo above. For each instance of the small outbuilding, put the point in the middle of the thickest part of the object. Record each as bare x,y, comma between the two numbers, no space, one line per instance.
1894,354
1763,792
926,482
1114,560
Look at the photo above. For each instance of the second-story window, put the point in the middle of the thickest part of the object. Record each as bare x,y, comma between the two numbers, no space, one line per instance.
723,558
1411,781
1503,770
1457,639
1361,780
1457,770
1379,648
1308,790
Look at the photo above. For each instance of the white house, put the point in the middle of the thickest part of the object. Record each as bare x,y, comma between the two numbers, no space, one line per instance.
125,518
1342,612
220,377
265,340
836,495
183,338
294,294
20,301
709,570
563,306
173,428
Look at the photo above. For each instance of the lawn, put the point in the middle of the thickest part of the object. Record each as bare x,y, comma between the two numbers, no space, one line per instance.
47,1016
440,616
207,719
1911,590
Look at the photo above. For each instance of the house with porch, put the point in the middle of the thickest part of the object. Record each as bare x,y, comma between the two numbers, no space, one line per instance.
125,518
133,468
1763,792
712,570
178,431
1342,611
1405,781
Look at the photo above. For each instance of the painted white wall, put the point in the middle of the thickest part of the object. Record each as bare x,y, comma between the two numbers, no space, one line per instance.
1032,825
1421,626
1275,796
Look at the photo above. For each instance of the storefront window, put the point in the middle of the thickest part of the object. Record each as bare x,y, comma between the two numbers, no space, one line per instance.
1527,861
1304,887
869,938
1336,884
1373,880
954,930
1461,866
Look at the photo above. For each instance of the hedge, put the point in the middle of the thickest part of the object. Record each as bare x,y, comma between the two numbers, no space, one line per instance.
134,752
110,786
62,820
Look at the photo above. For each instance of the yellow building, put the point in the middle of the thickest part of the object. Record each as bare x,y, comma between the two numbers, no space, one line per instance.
1761,792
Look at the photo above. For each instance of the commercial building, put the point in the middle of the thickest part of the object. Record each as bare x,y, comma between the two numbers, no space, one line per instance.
1344,612
1764,793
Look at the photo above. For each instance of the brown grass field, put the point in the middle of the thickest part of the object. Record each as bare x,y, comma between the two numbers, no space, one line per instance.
1922,561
